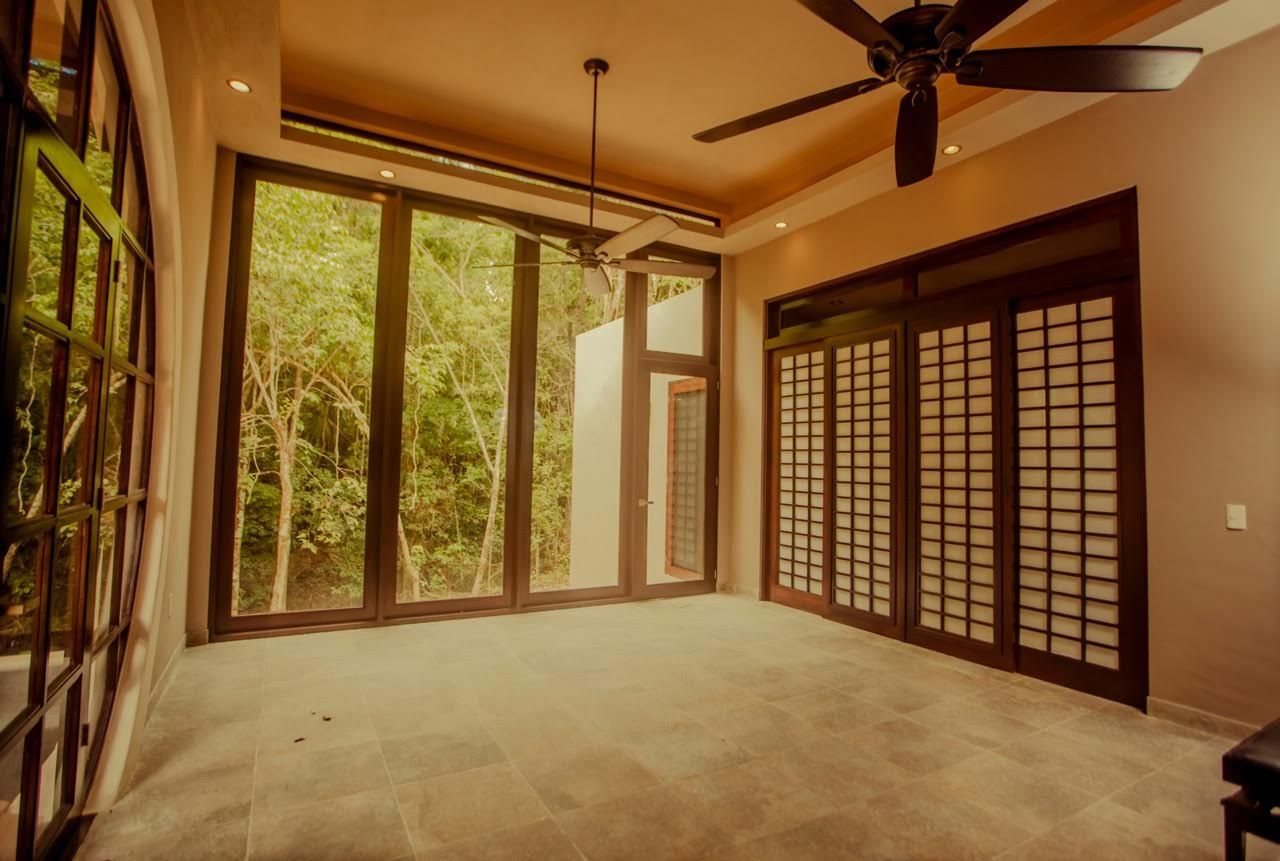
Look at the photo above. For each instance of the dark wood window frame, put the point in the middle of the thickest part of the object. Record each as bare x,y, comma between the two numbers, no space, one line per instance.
30,140
888,298
380,606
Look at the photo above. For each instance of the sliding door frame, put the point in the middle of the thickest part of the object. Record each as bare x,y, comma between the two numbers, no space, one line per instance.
1115,273
379,606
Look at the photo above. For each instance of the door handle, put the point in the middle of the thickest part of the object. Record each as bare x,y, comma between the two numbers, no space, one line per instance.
642,503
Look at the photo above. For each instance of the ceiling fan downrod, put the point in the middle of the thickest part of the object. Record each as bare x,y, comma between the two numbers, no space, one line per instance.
595,67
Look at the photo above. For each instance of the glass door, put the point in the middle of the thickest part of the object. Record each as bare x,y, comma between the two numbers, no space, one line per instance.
675,493
448,520
298,451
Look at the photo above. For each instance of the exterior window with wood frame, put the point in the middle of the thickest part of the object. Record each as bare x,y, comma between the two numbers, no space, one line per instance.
78,397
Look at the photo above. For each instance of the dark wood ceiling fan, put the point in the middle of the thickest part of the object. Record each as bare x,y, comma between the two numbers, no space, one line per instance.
917,45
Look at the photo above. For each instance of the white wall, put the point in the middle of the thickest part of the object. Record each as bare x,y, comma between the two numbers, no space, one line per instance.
597,440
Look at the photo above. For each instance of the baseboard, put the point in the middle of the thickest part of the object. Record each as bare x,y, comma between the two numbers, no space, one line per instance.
1197,719
738,589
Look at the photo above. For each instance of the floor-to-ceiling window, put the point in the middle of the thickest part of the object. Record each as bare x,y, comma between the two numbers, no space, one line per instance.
78,390
427,413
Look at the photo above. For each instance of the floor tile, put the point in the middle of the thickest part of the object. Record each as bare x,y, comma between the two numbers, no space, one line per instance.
973,722
1075,761
222,842
467,804
913,746
656,823
752,799
579,776
1108,832
837,772
764,728
456,743
294,779
365,827
180,802
537,841
1030,799
683,750
834,711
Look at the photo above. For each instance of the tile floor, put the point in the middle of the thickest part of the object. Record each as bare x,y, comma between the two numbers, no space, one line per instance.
708,727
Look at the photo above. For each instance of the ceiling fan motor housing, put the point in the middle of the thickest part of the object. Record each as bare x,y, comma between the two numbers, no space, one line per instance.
921,60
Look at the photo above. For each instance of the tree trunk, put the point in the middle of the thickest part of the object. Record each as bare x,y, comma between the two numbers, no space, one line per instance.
495,492
241,502
284,531
415,578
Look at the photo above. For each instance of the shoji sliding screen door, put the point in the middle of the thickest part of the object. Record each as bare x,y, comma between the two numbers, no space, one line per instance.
960,464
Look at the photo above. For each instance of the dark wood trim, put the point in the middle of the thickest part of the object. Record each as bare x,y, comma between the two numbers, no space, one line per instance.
1112,273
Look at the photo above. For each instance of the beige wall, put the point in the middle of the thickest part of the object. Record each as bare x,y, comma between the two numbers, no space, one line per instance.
178,142
1205,162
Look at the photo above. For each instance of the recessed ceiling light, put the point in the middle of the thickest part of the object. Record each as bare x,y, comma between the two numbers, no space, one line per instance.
781,225
951,149
239,86
387,173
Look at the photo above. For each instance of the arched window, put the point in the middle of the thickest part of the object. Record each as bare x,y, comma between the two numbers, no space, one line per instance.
76,394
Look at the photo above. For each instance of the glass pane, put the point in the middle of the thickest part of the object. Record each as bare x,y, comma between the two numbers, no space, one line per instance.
674,322
140,451
66,572
48,235
77,429
131,535
10,798
577,440
133,195
144,348
30,426
93,257
21,598
454,427
54,73
104,114
117,397
304,424
53,753
676,501
100,618
125,293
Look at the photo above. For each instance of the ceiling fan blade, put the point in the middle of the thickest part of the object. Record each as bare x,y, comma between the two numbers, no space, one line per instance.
852,20
917,137
1080,68
973,19
596,280
531,236
637,236
665,267
768,117
519,265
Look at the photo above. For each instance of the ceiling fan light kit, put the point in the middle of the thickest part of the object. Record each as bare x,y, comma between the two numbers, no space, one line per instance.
916,46
596,256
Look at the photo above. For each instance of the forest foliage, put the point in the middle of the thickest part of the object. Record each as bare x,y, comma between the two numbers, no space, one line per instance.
307,394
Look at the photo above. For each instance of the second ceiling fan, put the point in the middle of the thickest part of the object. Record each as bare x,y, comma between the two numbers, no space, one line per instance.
915,46
594,255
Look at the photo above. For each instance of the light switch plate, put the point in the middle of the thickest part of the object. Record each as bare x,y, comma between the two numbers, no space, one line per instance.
1235,516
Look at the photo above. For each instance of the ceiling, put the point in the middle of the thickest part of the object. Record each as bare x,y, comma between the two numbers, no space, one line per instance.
504,81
